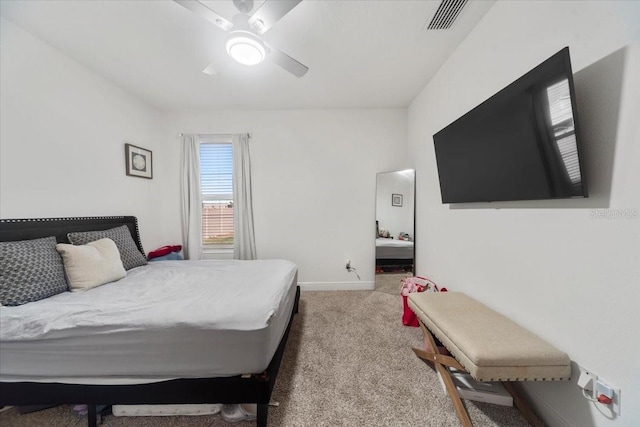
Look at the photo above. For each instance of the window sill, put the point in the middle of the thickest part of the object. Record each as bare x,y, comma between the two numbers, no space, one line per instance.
216,250
217,253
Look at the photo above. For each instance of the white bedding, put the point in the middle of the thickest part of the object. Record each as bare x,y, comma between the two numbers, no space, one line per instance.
169,319
394,249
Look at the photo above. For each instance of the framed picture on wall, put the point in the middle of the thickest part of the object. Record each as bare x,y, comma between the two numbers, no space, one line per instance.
396,200
139,161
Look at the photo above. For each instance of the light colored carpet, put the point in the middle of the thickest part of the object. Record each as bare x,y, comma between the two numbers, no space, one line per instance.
389,283
348,362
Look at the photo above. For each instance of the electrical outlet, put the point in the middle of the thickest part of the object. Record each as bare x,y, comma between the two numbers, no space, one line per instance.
604,389
611,392
587,379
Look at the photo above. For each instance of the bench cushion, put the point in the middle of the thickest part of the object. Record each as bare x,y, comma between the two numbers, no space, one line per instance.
489,345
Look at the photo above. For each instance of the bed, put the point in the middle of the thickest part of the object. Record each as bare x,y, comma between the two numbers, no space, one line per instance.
161,335
394,253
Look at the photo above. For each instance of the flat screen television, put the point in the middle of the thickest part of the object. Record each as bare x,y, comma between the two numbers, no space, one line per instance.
521,144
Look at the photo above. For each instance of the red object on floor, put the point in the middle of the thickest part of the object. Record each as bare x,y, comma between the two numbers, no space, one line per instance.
165,250
409,318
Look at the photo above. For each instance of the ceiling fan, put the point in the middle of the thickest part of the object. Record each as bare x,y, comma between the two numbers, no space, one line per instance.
244,41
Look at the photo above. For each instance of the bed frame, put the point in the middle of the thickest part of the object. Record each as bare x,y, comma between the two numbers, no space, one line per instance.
254,388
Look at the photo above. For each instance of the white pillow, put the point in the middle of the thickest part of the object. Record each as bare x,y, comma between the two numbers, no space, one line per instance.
91,265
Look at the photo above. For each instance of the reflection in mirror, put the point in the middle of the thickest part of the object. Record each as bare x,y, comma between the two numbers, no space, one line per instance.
395,222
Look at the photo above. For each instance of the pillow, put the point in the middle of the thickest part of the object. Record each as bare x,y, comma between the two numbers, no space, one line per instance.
30,270
129,254
91,265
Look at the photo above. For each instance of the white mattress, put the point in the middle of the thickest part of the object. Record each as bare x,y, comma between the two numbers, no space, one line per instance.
165,320
394,249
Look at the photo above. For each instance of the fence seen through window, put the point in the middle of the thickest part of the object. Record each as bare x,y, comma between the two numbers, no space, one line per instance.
216,174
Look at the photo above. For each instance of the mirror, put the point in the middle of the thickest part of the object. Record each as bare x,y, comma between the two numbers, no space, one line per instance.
395,228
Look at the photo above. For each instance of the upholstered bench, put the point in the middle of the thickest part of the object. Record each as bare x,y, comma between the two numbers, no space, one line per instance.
484,343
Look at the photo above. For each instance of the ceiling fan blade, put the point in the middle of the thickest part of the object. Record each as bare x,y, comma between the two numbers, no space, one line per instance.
287,62
269,13
208,14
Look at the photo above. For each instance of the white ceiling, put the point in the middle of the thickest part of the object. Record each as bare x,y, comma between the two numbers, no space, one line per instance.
361,54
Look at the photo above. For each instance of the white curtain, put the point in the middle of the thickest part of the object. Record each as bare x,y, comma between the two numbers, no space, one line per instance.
191,195
244,243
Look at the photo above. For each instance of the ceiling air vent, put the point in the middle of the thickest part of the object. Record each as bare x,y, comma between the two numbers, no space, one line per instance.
447,12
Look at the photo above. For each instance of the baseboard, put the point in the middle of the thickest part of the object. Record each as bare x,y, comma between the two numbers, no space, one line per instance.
546,411
337,286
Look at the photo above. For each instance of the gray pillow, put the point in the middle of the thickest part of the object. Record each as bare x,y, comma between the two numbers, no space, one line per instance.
129,253
30,270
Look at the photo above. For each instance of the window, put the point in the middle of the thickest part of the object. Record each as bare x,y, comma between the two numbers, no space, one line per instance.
216,179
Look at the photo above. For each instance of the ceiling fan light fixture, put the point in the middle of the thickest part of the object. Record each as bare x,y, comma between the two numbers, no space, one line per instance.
246,48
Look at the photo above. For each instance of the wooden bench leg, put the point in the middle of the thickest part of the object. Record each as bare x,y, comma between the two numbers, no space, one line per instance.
440,362
438,358
431,354
461,411
523,406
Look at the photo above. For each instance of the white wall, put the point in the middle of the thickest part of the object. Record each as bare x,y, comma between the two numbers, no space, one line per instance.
314,180
62,154
62,136
552,266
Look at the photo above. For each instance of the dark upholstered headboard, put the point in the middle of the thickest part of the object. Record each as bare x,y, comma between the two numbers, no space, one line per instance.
34,228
